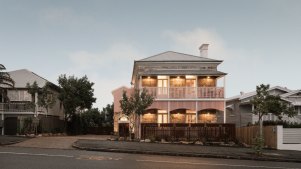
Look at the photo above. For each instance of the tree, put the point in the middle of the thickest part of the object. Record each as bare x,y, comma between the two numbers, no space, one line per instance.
264,103
90,118
135,105
107,113
33,89
76,94
45,97
5,81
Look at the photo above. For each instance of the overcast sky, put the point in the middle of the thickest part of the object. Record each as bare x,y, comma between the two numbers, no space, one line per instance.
259,41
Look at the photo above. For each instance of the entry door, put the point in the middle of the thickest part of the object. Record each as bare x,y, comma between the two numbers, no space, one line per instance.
123,129
162,86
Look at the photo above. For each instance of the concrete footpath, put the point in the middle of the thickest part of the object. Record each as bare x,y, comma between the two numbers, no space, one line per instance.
56,142
187,150
7,140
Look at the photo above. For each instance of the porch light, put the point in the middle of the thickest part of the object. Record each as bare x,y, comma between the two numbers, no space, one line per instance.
208,77
178,77
148,77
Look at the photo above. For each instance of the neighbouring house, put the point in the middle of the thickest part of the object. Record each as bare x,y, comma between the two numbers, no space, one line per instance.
239,109
188,90
15,107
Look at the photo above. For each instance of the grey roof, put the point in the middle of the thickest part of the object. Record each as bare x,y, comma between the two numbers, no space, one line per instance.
251,94
171,56
184,72
24,76
291,93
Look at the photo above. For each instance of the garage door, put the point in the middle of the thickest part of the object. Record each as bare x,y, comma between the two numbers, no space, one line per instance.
10,126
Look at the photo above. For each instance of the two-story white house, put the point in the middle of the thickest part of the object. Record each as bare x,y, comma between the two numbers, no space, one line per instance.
14,108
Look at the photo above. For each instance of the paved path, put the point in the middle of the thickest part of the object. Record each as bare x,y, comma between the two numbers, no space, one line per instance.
58,142
187,150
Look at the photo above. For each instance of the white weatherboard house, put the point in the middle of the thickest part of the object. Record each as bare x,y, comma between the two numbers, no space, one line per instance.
239,109
14,108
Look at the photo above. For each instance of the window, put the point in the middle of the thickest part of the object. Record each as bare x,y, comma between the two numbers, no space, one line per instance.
18,95
207,81
149,81
177,81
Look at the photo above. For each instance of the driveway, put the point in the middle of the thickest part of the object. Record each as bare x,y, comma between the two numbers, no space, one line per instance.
57,142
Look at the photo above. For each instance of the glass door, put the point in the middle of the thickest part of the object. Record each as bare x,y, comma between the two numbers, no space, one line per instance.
162,87
162,118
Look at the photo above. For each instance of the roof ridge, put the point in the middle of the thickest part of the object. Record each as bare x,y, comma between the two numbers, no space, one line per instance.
249,94
189,55
154,55
291,93
194,56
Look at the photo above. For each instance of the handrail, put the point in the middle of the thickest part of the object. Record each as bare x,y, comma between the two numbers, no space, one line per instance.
186,92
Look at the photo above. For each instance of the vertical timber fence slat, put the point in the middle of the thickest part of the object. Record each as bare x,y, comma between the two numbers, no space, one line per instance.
192,132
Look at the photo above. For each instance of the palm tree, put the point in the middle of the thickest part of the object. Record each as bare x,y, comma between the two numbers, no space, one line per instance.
5,80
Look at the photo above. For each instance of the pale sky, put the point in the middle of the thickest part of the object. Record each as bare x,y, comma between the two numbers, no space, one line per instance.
259,41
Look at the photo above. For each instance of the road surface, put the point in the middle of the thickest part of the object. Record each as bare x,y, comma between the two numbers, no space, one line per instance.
37,158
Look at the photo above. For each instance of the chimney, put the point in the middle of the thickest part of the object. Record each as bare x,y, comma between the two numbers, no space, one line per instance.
242,93
204,50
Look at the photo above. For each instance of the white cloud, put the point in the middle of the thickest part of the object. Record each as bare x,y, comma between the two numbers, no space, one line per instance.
65,16
115,54
109,69
190,41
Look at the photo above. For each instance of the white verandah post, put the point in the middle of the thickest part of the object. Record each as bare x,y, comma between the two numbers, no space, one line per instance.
224,99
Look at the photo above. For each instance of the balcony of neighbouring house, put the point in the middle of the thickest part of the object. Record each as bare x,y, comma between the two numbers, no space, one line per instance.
183,87
16,107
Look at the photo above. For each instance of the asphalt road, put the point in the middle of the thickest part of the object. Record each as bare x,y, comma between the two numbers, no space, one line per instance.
36,158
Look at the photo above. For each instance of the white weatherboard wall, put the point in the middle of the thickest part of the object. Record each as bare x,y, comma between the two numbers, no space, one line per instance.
288,138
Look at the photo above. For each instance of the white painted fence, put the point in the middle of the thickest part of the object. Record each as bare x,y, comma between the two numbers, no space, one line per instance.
292,135
288,138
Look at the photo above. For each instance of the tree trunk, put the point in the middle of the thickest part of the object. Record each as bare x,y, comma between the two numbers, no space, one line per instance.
260,128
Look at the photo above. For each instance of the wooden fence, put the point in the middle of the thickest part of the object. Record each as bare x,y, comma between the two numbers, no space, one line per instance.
248,134
51,124
100,130
188,132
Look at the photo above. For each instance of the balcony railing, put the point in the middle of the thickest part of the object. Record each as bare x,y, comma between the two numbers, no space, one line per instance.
186,92
16,107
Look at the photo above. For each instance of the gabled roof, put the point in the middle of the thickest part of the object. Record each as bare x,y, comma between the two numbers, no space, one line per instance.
24,76
291,93
171,56
251,94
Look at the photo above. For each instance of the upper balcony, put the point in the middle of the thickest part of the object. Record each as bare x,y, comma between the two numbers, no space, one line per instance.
183,87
